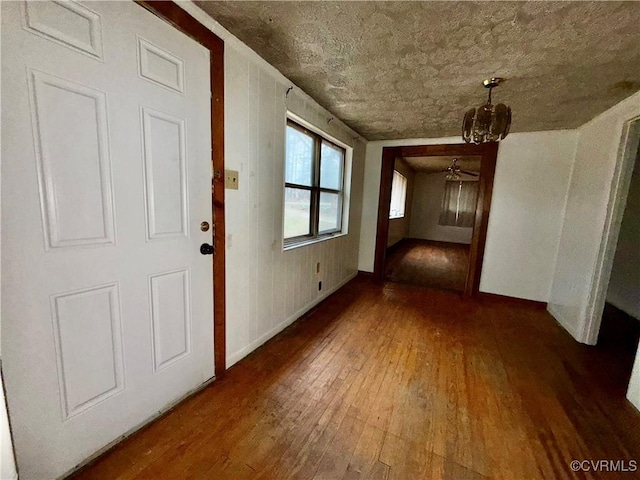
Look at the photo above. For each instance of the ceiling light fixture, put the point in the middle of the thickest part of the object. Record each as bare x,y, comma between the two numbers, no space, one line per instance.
454,171
487,123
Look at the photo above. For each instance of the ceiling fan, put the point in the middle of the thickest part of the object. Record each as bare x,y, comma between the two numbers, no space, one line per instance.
454,171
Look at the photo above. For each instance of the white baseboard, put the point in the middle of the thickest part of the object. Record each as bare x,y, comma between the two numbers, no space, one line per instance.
243,352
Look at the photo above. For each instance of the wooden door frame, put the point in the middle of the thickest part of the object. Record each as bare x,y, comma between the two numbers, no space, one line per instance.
181,20
488,153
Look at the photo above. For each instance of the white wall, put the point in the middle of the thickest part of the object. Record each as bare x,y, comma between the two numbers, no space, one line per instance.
587,208
267,289
529,192
530,187
624,285
399,227
427,204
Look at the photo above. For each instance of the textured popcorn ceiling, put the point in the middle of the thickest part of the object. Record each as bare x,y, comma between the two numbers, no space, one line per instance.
436,164
411,69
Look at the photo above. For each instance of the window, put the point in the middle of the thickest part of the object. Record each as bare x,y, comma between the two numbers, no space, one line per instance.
459,204
398,195
314,183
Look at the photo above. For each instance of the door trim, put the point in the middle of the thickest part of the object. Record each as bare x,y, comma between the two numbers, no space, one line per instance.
489,155
181,20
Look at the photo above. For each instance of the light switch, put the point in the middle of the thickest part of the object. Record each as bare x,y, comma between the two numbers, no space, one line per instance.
231,179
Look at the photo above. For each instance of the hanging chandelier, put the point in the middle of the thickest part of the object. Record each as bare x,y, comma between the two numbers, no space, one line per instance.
487,123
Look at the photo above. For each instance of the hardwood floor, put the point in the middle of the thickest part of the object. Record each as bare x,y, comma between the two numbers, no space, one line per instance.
428,263
397,382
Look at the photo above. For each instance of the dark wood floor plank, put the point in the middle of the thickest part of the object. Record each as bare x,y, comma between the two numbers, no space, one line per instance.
364,458
428,263
395,382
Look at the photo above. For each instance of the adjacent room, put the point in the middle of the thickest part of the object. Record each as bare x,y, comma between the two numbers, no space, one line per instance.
319,240
431,219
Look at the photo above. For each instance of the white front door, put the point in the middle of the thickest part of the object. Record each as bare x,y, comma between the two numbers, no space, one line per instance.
107,313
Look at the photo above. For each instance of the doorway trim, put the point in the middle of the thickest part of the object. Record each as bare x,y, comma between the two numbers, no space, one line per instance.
181,20
627,151
488,153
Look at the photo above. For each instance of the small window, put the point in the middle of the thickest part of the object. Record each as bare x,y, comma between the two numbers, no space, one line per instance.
398,195
314,185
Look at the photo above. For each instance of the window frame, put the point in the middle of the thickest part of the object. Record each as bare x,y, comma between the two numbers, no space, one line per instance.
315,189
404,200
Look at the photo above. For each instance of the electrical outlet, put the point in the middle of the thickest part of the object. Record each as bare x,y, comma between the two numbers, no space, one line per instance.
231,179
320,285
318,267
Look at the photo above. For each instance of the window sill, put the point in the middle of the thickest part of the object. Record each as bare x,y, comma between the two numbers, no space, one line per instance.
306,243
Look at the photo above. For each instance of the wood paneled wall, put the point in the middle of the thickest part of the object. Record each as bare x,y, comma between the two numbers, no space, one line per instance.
267,288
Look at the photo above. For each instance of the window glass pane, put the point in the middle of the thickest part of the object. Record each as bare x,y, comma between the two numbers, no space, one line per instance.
330,210
398,195
297,212
299,159
331,164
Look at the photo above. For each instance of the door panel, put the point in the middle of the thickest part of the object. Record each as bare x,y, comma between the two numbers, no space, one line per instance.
107,310
88,339
68,23
159,66
171,318
70,128
165,174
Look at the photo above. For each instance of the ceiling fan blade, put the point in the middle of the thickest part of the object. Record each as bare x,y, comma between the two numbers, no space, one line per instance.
470,173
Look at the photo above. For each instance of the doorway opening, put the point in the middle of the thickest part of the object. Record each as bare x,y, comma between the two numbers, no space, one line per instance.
433,206
433,214
618,329
627,159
